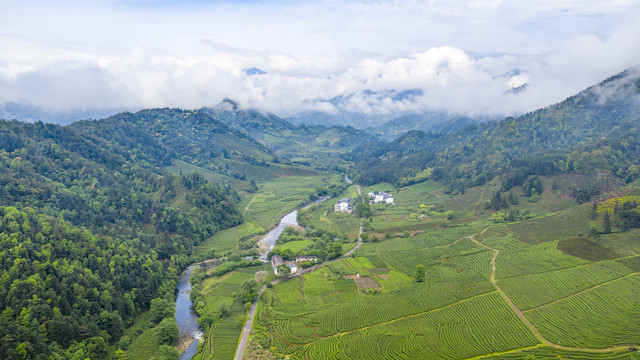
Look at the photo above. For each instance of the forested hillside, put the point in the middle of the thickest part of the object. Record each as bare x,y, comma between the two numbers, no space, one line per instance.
92,228
592,131
314,145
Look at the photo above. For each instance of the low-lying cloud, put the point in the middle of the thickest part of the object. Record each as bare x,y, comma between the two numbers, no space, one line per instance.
354,61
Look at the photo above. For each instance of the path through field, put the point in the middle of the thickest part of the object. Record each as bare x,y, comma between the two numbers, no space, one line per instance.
246,330
520,314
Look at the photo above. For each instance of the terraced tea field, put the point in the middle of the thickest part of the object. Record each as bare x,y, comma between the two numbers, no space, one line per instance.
485,294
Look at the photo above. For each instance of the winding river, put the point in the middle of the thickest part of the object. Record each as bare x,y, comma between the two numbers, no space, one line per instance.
186,318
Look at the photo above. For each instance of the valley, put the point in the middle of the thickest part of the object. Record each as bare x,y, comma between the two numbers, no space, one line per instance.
510,239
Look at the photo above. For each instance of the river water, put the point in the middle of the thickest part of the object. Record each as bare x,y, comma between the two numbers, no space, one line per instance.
185,317
269,240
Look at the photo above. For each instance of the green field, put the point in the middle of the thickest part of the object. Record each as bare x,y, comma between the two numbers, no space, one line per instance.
221,340
576,291
264,208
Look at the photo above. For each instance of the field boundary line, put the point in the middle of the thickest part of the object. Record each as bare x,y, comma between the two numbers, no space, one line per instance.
506,352
398,319
526,321
580,292
570,267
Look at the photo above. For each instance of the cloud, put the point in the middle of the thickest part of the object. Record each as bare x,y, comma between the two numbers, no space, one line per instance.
70,54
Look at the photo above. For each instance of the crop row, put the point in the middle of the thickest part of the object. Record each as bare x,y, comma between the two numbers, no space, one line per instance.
529,291
535,259
407,260
601,317
473,327
547,352
371,310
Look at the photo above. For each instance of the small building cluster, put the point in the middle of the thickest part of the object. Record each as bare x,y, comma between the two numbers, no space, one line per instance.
344,206
277,260
380,198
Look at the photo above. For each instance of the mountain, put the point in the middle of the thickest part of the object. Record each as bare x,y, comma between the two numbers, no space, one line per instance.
368,113
602,116
31,113
437,122
94,230
196,140
305,144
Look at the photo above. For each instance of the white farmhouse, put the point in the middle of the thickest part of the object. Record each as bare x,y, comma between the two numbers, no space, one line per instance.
382,197
344,205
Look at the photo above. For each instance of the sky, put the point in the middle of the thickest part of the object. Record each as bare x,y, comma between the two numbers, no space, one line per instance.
465,57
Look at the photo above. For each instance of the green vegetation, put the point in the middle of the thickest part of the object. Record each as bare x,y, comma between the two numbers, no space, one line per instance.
582,134
504,238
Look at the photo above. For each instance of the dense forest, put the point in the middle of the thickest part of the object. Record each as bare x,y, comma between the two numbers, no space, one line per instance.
596,130
92,229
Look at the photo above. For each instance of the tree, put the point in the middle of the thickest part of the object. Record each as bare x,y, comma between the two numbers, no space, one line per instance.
249,290
419,274
168,331
160,309
283,270
363,210
261,276
168,353
594,211
224,309
120,355
606,223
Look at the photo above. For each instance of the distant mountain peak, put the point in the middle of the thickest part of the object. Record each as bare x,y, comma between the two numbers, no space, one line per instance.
254,71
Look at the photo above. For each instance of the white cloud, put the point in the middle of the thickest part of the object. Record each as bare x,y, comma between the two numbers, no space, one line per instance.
70,54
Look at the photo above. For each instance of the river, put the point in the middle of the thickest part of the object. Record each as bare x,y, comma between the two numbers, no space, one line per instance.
269,240
185,317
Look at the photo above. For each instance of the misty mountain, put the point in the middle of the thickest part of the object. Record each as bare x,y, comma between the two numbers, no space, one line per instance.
436,122
355,109
286,139
594,122
31,113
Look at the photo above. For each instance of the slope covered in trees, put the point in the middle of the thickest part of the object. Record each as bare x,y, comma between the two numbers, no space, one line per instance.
92,229
599,120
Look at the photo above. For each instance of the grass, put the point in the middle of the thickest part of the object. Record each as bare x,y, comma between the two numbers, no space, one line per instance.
295,246
265,207
145,340
586,249
555,226
221,340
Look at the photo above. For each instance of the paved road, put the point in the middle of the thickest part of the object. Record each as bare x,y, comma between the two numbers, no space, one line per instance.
246,330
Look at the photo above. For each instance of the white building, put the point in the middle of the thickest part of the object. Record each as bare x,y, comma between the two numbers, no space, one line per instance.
306,258
344,205
383,197
277,260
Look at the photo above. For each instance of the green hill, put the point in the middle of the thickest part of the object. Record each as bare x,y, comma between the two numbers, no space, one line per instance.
314,145
597,119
